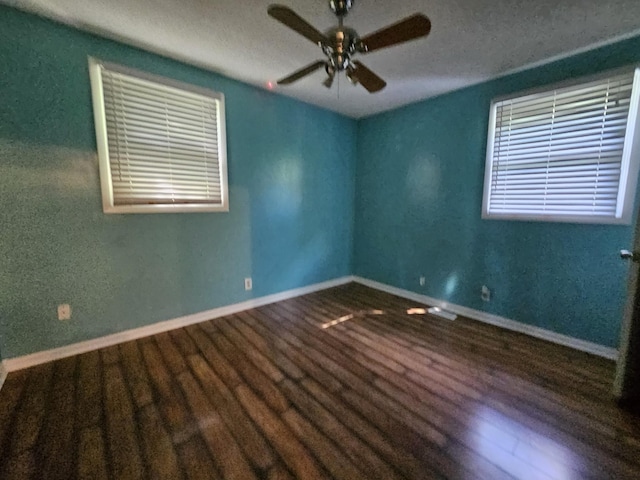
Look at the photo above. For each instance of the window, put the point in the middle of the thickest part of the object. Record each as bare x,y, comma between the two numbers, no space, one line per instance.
565,154
161,144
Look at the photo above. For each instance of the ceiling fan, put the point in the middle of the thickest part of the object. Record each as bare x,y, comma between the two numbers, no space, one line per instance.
340,44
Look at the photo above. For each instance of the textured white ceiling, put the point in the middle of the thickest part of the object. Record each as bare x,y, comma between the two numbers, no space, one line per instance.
471,40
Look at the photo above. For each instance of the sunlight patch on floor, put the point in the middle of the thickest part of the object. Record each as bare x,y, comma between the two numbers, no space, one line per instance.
346,318
416,311
338,320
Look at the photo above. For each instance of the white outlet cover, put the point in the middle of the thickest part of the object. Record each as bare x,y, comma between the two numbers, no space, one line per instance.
248,284
64,311
485,295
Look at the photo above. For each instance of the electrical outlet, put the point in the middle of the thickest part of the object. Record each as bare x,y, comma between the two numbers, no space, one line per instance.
64,311
248,284
422,280
485,294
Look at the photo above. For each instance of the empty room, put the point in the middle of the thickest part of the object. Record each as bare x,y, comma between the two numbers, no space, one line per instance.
337,239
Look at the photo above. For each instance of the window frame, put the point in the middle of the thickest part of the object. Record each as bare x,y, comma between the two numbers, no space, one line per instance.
106,184
629,168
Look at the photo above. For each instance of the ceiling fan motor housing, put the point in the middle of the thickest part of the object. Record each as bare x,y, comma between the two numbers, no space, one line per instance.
340,7
342,44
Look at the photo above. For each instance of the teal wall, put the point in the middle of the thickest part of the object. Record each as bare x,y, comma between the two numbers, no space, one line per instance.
420,172
290,221
413,208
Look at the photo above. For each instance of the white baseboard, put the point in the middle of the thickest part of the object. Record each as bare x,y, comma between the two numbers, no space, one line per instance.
593,348
19,363
3,374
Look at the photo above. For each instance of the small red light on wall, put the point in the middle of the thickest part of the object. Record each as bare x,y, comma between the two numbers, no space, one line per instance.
270,85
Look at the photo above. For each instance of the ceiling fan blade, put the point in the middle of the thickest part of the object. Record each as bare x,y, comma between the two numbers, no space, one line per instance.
410,28
294,21
369,80
301,73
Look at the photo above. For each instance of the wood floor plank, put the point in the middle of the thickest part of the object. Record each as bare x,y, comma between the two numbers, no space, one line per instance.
293,453
327,381
161,458
251,374
136,374
56,443
596,458
342,372
329,454
9,401
172,357
525,399
122,439
449,372
20,467
32,409
292,348
420,408
479,362
332,354
357,450
387,423
89,398
196,460
384,446
223,448
250,440
411,422
260,361
184,342
494,376
92,464
110,355
268,349
223,368
171,401
279,472
473,331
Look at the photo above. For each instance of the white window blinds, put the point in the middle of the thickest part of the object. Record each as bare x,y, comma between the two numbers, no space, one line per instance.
163,145
561,153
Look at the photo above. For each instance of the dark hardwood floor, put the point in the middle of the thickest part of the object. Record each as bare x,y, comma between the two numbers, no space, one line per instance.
271,394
